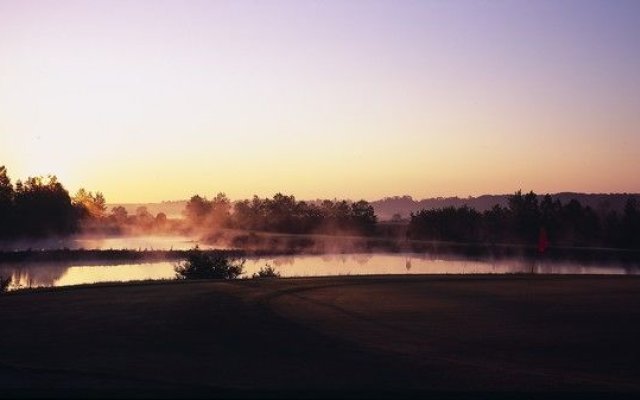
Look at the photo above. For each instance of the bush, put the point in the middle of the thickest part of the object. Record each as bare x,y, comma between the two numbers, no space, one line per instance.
267,272
203,265
4,284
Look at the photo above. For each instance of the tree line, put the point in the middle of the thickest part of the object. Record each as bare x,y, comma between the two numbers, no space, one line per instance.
41,206
282,214
526,220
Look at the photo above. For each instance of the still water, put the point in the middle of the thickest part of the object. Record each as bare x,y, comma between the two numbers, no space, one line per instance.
25,275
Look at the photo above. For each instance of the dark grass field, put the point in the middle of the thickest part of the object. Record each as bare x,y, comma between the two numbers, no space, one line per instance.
377,336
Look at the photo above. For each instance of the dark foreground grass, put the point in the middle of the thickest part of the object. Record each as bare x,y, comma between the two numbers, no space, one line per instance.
370,336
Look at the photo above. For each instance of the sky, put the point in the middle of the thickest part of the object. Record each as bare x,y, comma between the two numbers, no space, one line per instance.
159,100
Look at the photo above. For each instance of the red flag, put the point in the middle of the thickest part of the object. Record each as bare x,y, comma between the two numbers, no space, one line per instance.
543,241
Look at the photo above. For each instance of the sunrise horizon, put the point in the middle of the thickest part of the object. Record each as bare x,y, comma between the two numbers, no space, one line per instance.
148,101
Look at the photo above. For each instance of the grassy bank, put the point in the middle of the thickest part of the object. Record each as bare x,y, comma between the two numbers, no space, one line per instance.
374,335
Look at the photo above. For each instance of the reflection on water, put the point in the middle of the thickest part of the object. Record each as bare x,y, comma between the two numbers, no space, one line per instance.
26,275
383,264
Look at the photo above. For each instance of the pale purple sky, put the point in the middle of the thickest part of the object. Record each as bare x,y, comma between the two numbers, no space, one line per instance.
152,100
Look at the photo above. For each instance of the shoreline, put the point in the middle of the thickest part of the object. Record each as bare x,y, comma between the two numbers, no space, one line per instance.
446,250
318,278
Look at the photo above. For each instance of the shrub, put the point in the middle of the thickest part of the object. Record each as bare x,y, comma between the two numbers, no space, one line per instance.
4,284
203,265
267,272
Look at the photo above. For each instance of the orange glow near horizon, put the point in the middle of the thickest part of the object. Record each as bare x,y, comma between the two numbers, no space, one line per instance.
148,102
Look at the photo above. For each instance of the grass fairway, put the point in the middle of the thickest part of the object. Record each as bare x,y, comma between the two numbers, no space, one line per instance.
378,335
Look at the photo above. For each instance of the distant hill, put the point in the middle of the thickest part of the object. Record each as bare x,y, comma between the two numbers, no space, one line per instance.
404,205
173,209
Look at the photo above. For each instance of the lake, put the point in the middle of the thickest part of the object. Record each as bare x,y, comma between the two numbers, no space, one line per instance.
42,274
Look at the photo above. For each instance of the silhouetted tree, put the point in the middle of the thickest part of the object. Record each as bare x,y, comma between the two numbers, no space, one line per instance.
631,224
197,209
525,216
43,206
550,216
220,211
496,224
6,203
363,217
449,223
